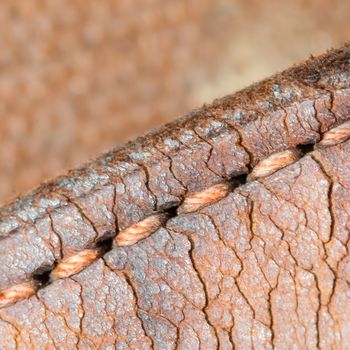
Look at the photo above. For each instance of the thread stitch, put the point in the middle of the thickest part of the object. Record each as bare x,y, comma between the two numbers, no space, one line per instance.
73,264
197,200
17,293
336,135
273,163
141,230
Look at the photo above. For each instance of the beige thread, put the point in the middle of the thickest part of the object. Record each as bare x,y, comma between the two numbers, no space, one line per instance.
334,136
198,200
17,293
141,230
133,234
72,265
273,163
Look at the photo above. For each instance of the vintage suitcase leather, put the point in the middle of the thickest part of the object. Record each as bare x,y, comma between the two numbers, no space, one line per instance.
228,229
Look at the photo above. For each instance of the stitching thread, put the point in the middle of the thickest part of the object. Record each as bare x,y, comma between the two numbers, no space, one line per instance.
273,163
197,200
336,135
72,265
17,293
140,230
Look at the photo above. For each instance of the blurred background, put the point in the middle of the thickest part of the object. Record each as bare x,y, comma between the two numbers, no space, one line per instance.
78,77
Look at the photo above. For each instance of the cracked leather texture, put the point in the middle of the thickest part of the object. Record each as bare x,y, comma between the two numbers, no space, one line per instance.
266,267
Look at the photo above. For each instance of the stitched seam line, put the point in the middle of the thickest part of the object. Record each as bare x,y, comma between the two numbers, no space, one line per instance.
74,264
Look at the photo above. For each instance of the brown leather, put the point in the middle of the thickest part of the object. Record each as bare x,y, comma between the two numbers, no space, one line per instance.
78,77
264,267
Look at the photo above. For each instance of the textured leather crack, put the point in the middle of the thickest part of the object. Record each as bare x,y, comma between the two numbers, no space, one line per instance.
128,281
136,303
201,279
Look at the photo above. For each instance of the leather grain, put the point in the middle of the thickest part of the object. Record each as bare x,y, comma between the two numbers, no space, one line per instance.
265,267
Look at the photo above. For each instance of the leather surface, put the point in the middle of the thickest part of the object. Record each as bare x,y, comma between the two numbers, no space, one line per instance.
264,267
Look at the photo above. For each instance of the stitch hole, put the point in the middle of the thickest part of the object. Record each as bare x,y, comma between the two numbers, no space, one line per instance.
105,244
172,212
42,279
305,148
240,180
